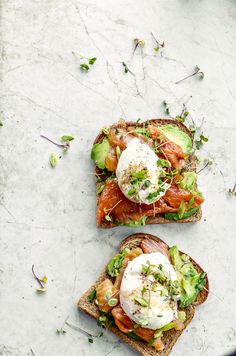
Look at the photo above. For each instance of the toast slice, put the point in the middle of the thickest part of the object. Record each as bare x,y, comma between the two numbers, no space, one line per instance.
158,218
170,337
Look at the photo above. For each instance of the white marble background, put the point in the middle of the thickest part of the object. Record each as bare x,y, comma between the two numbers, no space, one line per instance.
47,216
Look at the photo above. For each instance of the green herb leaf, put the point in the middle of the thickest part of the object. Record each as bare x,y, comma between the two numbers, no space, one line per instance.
140,175
112,302
143,302
92,60
163,163
44,280
159,332
132,191
203,138
53,160
182,208
118,152
133,336
100,189
67,138
114,266
61,331
90,339
92,295
108,218
84,66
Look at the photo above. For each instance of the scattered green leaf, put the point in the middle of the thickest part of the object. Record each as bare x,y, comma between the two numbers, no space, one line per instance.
61,331
100,189
197,72
84,66
53,160
126,69
114,266
67,138
92,295
92,60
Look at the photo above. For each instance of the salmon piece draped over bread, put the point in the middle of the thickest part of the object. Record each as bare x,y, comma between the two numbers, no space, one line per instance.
113,202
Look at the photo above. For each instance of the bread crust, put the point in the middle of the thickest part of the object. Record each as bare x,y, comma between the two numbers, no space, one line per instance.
170,337
158,219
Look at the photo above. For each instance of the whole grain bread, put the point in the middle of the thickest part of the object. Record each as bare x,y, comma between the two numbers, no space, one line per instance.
170,337
158,219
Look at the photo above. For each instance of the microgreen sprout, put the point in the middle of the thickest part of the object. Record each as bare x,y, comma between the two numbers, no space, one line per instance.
64,146
126,69
197,72
233,191
207,163
89,335
166,108
88,62
41,282
138,43
199,143
158,45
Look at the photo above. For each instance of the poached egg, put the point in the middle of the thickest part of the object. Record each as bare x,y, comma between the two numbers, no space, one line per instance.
138,174
146,301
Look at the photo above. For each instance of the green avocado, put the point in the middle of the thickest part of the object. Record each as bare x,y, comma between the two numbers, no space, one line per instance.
191,282
186,214
99,153
176,135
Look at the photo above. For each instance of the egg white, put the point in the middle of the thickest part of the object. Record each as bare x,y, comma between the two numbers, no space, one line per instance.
136,157
161,310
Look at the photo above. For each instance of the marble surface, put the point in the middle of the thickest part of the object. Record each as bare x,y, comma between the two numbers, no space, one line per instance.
47,216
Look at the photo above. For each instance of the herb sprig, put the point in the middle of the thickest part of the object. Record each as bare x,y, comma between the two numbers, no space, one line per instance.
40,281
138,43
126,69
90,336
197,72
233,191
158,44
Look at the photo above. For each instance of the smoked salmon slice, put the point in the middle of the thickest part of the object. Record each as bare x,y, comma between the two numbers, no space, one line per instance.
106,291
126,325
113,203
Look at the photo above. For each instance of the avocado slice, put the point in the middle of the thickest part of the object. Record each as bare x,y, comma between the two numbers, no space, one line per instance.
186,214
191,282
176,135
99,153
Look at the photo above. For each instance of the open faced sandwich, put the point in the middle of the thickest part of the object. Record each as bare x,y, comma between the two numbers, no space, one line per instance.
147,294
146,174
